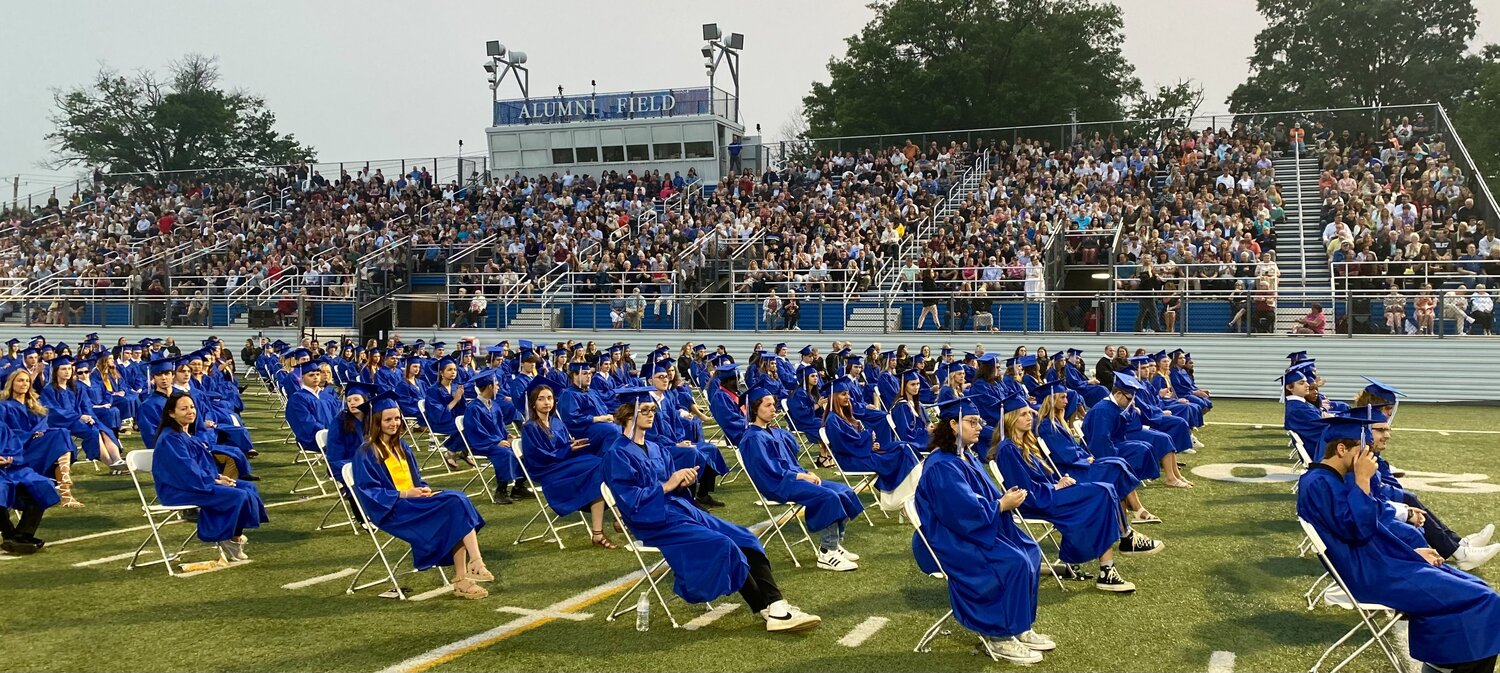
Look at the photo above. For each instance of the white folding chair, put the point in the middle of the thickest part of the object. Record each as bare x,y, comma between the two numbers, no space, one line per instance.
322,441
1030,525
1369,613
435,439
458,422
925,644
866,479
788,513
369,528
647,572
314,466
551,535
157,516
786,413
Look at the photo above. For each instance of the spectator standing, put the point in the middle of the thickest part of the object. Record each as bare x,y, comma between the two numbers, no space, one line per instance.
792,310
1147,284
635,308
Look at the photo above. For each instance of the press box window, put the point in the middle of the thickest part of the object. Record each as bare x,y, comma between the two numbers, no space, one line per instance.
698,149
587,155
667,151
637,152
614,154
562,155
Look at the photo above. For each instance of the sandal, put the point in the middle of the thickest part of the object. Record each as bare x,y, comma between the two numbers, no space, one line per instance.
823,462
479,573
469,590
65,491
600,540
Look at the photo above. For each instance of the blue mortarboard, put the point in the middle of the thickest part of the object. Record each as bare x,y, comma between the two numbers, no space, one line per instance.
780,346
438,344
855,361
1138,360
12,342
577,347
62,361
889,355
61,345
331,343
1297,356
1369,413
1074,352
726,368
651,369
635,394
1059,356
844,352
1014,402
1009,362
47,348
559,352
195,355
951,409
1176,353
1048,388
946,351
1351,428
162,366
700,348
917,360
29,351
1158,356
1292,376
38,338
1385,391
386,399
911,375
307,367
846,385
579,366
1127,383
1187,356
757,393
85,363
483,379
299,353
804,372
495,351
364,390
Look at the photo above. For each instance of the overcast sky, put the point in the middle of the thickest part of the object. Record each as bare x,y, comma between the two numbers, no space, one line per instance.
381,79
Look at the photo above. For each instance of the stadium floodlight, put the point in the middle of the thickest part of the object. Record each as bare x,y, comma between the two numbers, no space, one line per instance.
517,57
502,62
719,51
494,48
711,31
1102,275
707,51
736,41
489,67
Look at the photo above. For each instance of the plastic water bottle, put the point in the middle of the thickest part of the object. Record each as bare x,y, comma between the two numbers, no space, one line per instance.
643,613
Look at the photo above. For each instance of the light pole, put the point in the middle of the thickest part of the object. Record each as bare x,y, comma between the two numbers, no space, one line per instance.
501,63
719,50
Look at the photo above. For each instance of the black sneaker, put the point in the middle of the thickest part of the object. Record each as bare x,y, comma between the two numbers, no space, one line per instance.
520,490
1139,545
1110,580
503,498
710,500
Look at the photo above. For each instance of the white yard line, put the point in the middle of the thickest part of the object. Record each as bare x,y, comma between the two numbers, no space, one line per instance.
107,559
429,594
131,529
214,569
711,616
1402,428
863,632
1221,662
319,579
570,616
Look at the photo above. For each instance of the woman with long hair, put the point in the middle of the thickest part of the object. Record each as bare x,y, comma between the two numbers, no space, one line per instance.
569,470
805,407
709,556
441,526
968,524
114,388
185,473
68,406
908,415
852,438
1088,514
1055,436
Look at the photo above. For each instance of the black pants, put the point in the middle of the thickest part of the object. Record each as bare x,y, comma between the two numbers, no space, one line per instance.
1442,538
707,482
31,517
760,588
1486,665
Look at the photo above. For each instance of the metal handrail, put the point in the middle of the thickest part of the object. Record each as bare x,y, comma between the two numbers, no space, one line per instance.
468,249
372,255
1474,169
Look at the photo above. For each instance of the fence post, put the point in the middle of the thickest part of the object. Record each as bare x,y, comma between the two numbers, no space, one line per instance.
1348,308
1182,308
1437,318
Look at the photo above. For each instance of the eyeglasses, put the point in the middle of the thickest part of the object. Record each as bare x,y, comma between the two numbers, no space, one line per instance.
650,411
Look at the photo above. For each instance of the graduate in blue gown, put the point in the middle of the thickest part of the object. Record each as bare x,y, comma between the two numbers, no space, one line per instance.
307,410
569,471
673,431
1088,514
771,462
580,407
1112,427
1454,617
95,400
410,389
1180,371
1068,458
68,407
724,402
441,526
443,399
115,388
23,490
990,564
1158,415
1300,416
908,414
1073,377
184,473
709,557
485,433
852,440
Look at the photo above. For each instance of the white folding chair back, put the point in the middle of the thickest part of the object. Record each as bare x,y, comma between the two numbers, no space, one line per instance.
647,572
314,465
489,488
1369,613
373,530
434,439
157,516
1030,526
912,515
551,534
788,512
321,439
866,479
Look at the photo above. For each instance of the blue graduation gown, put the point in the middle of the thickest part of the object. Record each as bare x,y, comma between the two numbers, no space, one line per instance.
578,408
702,550
116,390
99,403
771,461
1454,617
855,452
19,476
1073,460
682,396
65,408
343,442
148,418
570,479
484,429
1305,420
911,424
307,413
439,416
991,564
987,397
727,413
184,472
671,430
803,410
1184,386
1076,381
603,387
1086,513
433,526
407,394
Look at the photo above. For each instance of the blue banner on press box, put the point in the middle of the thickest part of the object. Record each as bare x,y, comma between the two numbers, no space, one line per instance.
609,106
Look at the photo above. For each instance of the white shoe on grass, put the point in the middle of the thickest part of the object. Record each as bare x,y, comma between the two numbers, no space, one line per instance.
782,617
848,554
1469,558
1010,649
1197,443
833,560
1479,539
1037,641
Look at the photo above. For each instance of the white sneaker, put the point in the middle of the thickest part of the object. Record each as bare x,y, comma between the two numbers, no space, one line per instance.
833,560
1010,649
1037,641
1469,558
1335,596
1197,443
848,554
1190,451
1479,539
791,621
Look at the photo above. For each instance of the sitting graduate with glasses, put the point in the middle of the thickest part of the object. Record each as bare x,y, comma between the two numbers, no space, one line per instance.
568,470
441,526
185,473
709,557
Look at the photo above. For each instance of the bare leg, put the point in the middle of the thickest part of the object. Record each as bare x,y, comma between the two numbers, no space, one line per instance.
461,562
596,512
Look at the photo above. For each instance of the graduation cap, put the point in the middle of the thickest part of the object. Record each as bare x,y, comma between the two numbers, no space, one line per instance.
444,361
1383,390
47,348
62,361
577,347
889,355
651,369
162,366
757,393
1176,353
38,338
1014,402
911,375
1059,356
483,379
991,357
438,345
634,395
12,342
949,410
946,351
1049,388
806,350
84,363
1345,428
846,385
726,368
309,367
579,366
30,351
364,390
855,361
700,348
386,399
1074,352
299,353
1127,383
1140,360
804,372
1026,360
495,351
1297,356
1158,356
559,352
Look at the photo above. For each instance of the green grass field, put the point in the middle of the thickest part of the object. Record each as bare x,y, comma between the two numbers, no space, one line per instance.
1229,580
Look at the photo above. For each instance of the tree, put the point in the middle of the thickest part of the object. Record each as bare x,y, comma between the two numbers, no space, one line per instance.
146,123
1478,119
1337,53
1170,106
957,64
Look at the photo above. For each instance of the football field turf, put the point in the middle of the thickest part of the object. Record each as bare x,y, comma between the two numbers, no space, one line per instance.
1228,582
